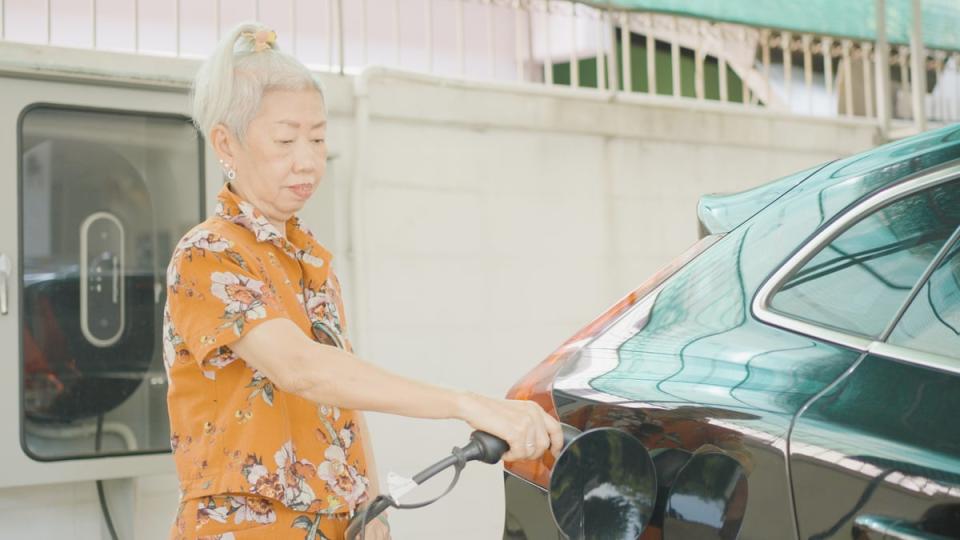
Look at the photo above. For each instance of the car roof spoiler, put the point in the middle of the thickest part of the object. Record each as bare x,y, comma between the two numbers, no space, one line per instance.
720,213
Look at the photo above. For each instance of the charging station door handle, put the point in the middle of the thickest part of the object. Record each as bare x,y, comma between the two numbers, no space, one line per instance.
4,278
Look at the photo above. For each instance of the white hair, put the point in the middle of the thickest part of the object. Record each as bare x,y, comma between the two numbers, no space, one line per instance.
230,84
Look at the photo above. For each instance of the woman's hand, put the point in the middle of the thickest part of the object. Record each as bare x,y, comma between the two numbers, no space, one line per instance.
524,425
377,530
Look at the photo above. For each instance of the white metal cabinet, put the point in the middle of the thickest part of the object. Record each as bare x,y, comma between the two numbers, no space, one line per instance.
99,197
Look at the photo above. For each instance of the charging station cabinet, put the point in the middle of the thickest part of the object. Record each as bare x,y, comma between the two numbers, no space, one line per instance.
98,183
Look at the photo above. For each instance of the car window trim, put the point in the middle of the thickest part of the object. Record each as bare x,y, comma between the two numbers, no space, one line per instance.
761,302
915,357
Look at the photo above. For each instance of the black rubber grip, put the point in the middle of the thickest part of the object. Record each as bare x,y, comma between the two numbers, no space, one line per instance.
490,447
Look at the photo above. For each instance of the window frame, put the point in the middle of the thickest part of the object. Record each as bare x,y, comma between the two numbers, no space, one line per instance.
812,246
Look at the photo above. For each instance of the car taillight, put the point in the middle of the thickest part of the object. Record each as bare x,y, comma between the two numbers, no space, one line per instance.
537,384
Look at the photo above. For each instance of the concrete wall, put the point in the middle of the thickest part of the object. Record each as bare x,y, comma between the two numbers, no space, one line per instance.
475,228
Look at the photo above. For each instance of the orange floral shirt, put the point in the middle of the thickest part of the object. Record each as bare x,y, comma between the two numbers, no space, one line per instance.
232,429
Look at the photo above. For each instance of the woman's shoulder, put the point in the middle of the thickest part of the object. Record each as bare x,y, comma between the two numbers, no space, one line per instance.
216,237
216,232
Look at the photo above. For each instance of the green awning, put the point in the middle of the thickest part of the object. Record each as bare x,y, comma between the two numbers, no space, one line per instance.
843,18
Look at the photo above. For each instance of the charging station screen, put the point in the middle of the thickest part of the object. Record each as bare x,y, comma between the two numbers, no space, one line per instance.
104,195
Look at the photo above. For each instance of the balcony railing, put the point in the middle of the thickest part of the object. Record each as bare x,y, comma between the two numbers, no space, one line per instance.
536,42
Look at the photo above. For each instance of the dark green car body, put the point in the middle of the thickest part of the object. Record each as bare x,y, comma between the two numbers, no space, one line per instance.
815,344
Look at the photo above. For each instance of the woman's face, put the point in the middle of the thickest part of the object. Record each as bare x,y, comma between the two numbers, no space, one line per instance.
283,156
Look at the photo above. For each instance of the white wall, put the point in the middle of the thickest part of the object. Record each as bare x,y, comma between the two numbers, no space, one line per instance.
494,221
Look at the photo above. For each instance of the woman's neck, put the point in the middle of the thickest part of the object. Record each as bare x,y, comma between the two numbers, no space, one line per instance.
279,224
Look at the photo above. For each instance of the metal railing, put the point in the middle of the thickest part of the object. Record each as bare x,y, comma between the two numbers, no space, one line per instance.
564,43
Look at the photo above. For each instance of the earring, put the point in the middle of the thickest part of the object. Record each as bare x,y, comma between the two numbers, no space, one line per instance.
231,174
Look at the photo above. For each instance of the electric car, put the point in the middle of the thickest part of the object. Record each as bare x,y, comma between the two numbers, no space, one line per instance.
794,374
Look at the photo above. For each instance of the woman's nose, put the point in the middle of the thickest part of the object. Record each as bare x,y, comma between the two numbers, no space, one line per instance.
306,158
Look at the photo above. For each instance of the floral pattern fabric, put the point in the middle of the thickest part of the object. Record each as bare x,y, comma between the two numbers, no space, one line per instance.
232,430
251,517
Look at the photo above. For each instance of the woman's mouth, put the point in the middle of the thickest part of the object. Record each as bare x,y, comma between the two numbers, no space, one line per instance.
302,190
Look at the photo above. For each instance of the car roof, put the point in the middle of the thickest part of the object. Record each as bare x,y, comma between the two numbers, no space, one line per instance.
892,162
862,173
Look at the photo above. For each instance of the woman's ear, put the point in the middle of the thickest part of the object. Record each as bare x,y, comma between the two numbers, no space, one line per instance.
223,143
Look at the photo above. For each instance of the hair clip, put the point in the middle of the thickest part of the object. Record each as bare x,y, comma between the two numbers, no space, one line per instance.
262,39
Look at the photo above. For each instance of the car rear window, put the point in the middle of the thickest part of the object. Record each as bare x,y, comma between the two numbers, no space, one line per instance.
858,282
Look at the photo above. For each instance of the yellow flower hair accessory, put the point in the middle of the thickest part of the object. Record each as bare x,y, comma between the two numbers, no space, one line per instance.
262,39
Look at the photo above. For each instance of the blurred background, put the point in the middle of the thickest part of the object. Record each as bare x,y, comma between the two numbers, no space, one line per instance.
501,171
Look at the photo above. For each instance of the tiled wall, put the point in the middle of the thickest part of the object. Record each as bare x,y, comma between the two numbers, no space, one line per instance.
304,27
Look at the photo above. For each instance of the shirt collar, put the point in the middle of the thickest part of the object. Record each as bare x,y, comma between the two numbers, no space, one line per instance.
299,242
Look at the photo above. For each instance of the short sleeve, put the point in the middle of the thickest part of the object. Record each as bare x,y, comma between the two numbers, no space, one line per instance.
342,327
215,298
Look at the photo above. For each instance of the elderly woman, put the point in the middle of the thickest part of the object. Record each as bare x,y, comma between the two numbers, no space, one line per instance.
265,392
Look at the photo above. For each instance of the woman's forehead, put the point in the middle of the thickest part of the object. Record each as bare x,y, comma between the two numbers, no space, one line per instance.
293,108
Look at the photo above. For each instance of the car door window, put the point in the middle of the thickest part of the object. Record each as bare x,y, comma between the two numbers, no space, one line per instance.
932,322
857,283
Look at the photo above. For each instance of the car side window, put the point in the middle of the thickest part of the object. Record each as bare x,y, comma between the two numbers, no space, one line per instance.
858,282
932,322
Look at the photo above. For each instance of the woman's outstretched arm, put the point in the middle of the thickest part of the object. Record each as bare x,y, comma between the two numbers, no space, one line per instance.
332,376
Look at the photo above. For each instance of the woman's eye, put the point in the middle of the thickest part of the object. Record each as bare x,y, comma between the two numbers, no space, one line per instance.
319,141
286,142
